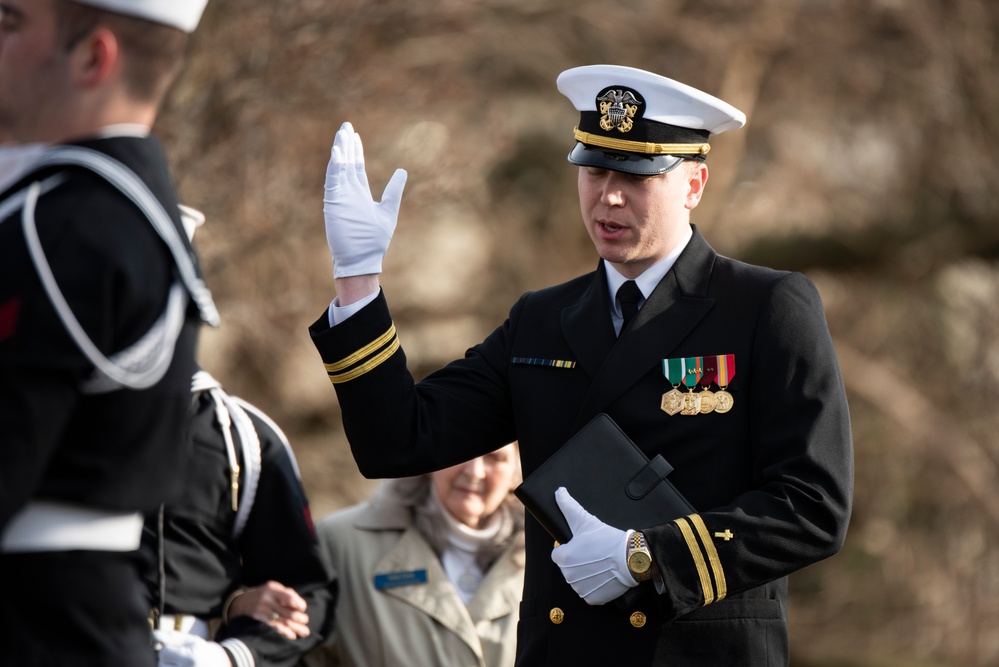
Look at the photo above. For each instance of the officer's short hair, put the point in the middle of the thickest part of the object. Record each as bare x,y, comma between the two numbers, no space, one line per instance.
153,52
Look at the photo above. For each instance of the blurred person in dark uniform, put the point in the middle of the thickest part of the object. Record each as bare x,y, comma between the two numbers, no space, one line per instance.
725,369
236,555
430,570
101,299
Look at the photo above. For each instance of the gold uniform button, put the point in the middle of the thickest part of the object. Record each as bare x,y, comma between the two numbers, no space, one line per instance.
556,615
638,619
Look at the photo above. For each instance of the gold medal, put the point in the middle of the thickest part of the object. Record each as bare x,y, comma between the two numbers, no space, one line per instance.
723,401
709,371
672,401
691,404
726,371
707,401
691,377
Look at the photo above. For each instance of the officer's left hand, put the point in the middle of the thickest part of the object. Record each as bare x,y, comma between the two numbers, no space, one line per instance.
594,561
181,649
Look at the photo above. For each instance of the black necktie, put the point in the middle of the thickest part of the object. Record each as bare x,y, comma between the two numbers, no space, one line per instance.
628,294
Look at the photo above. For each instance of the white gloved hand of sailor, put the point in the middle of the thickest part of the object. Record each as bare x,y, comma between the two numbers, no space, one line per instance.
180,649
358,229
594,561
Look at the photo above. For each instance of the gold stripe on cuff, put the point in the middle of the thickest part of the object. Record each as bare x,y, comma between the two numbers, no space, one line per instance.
695,552
369,365
365,351
709,549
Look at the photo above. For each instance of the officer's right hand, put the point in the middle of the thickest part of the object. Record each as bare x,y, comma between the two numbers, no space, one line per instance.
358,229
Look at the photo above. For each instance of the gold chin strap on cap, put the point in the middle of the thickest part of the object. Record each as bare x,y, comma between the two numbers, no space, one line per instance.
640,146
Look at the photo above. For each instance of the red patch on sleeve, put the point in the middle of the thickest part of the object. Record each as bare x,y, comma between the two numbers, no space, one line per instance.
9,311
308,520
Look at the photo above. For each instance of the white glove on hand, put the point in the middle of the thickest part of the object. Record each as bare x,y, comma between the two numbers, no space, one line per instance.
594,562
181,649
358,230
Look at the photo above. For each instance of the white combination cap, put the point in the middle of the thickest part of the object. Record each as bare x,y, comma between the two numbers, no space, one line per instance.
183,14
639,122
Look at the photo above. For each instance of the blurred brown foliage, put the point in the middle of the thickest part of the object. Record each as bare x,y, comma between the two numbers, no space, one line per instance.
868,163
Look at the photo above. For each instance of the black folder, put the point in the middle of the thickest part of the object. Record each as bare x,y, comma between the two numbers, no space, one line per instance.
609,476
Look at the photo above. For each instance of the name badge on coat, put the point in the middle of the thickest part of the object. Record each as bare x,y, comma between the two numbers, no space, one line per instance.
402,578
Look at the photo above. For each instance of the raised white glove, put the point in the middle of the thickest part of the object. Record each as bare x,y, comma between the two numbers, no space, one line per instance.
358,229
594,562
181,649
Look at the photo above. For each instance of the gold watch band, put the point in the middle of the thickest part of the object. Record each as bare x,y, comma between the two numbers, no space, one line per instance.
639,557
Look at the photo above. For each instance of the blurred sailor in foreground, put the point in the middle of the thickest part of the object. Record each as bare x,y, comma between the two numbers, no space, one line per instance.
101,299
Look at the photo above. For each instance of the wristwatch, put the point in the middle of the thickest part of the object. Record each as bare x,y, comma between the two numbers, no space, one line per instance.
639,558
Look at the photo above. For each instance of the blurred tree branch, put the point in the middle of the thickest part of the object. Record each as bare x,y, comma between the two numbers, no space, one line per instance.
930,432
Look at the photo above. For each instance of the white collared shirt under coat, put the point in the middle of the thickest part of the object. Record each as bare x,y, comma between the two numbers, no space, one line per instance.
419,624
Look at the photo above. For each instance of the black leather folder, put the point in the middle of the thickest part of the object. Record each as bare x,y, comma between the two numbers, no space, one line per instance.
609,476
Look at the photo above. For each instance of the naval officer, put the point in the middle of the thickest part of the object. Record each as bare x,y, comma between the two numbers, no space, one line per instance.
725,369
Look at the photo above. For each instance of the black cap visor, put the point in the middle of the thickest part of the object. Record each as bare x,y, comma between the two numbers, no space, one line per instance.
628,163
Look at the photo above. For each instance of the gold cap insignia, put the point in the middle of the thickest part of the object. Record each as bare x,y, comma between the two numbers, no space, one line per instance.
617,110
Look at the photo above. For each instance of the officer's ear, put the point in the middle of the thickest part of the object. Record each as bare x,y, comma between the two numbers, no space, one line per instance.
697,178
95,58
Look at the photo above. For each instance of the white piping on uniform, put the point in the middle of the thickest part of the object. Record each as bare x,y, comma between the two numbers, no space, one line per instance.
138,367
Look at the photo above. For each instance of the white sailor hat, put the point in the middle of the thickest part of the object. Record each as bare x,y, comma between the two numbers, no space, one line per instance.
639,122
183,14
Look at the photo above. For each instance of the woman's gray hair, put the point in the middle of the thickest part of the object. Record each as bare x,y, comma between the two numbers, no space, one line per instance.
413,492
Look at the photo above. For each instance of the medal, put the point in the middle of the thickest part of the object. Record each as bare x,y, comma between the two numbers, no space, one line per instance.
691,404
725,365
709,373
672,401
691,376
702,372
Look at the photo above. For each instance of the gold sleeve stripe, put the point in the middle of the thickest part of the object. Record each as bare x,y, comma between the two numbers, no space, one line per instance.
373,362
709,549
695,552
645,147
365,351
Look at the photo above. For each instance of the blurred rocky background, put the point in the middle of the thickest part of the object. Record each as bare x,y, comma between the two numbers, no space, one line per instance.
869,163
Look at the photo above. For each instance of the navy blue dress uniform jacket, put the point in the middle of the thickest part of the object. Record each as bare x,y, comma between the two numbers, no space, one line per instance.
118,452
771,479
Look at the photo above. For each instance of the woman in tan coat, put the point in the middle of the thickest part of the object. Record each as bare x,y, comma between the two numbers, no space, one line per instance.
430,571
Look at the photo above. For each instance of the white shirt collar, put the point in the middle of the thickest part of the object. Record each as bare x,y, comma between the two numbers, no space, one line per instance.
16,161
123,130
